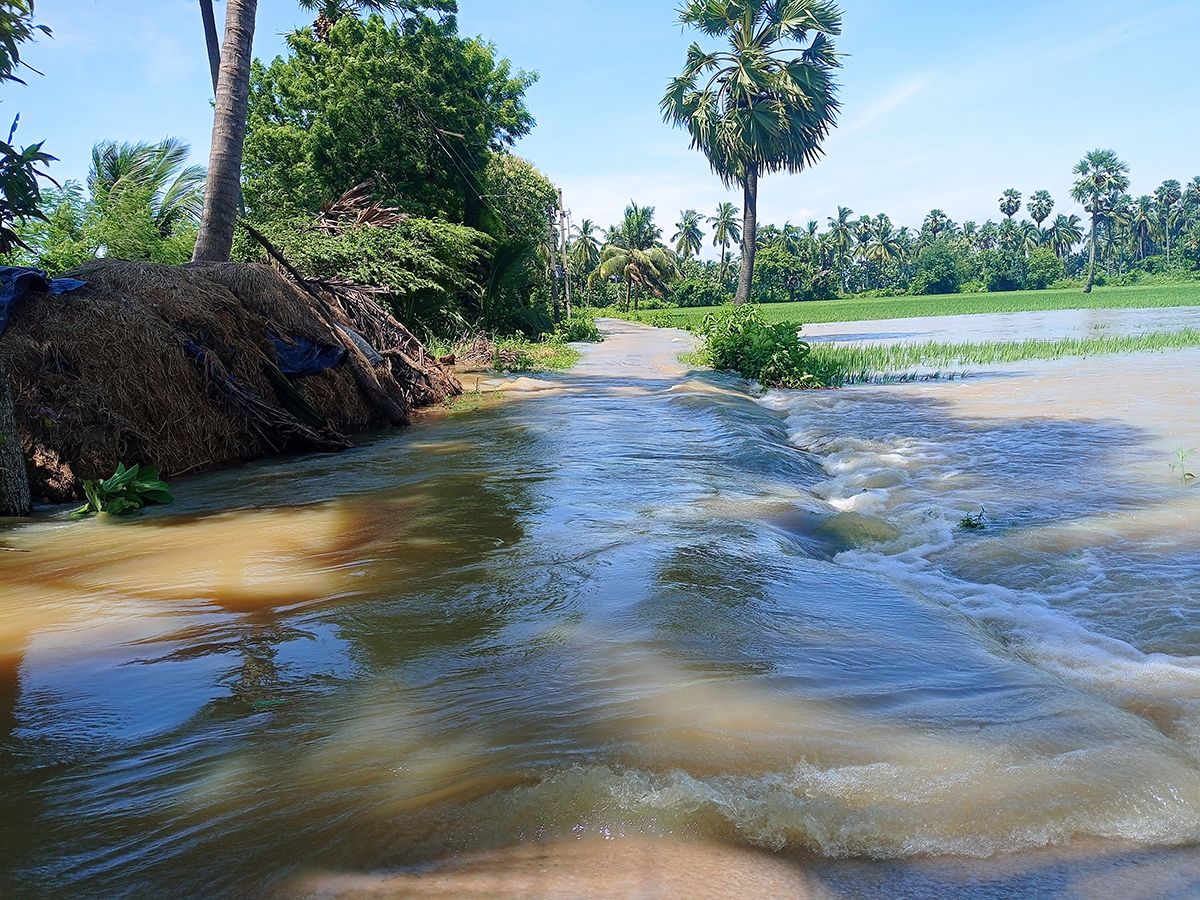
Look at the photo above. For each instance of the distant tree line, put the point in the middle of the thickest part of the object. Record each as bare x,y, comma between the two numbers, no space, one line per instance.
1123,238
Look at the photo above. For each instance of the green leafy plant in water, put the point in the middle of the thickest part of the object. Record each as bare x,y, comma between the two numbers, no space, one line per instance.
124,492
738,338
974,521
1181,464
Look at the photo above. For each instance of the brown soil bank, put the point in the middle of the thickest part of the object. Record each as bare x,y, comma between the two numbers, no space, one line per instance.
176,366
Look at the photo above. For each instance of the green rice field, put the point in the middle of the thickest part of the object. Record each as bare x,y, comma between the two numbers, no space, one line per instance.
854,309
851,364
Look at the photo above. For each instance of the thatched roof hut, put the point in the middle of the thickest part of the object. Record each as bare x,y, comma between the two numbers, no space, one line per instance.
179,367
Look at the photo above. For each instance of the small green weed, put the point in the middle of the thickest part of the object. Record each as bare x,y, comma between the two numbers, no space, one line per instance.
974,521
1180,465
126,491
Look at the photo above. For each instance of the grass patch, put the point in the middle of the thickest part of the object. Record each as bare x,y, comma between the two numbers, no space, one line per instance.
854,309
537,356
837,365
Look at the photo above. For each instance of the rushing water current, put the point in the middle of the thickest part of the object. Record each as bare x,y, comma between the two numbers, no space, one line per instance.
634,632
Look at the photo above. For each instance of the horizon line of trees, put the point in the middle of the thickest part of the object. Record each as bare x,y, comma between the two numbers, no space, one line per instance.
1155,233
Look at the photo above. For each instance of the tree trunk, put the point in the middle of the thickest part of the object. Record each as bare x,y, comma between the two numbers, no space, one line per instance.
223,187
749,234
1091,258
211,41
14,480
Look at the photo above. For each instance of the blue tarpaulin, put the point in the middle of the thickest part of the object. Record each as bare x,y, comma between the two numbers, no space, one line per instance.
300,356
17,281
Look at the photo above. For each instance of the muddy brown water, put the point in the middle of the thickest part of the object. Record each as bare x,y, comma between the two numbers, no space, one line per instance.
633,632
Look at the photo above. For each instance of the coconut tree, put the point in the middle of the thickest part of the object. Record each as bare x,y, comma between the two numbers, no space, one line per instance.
585,249
176,191
764,104
1142,222
1166,197
1040,205
222,189
726,231
1064,233
841,236
1102,179
688,234
1010,202
634,254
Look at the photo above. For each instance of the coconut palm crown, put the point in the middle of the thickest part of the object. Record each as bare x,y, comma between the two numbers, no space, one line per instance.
765,103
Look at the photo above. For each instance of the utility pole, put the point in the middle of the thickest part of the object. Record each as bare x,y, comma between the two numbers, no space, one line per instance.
562,234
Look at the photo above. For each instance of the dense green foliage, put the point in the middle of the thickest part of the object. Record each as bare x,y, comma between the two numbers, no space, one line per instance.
20,191
411,107
739,339
143,203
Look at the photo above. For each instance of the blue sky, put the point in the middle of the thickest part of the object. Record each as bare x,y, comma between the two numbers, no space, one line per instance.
945,104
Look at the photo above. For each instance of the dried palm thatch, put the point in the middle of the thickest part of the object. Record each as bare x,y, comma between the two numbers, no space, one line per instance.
169,365
481,352
356,209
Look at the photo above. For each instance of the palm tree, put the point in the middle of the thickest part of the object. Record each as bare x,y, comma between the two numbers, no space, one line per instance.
1064,234
1166,196
633,253
1010,202
935,223
726,230
584,250
766,103
1102,178
1040,205
1141,223
841,235
176,193
222,190
688,234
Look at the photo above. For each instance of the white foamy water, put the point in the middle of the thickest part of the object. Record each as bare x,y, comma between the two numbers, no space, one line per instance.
1089,564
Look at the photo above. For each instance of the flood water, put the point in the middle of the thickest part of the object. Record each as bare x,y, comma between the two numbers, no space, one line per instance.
634,632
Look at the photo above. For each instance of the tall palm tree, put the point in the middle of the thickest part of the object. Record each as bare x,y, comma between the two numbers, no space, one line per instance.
763,105
726,231
1040,205
935,223
688,234
1142,222
222,190
584,249
841,235
1166,196
634,254
1102,179
176,191
1010,202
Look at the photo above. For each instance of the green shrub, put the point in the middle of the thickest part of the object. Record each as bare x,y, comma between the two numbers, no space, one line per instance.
580,327
738,338
1042,269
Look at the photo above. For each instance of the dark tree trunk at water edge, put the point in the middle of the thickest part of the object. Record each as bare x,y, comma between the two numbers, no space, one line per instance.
14,481
223,187
749,227
1091,258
